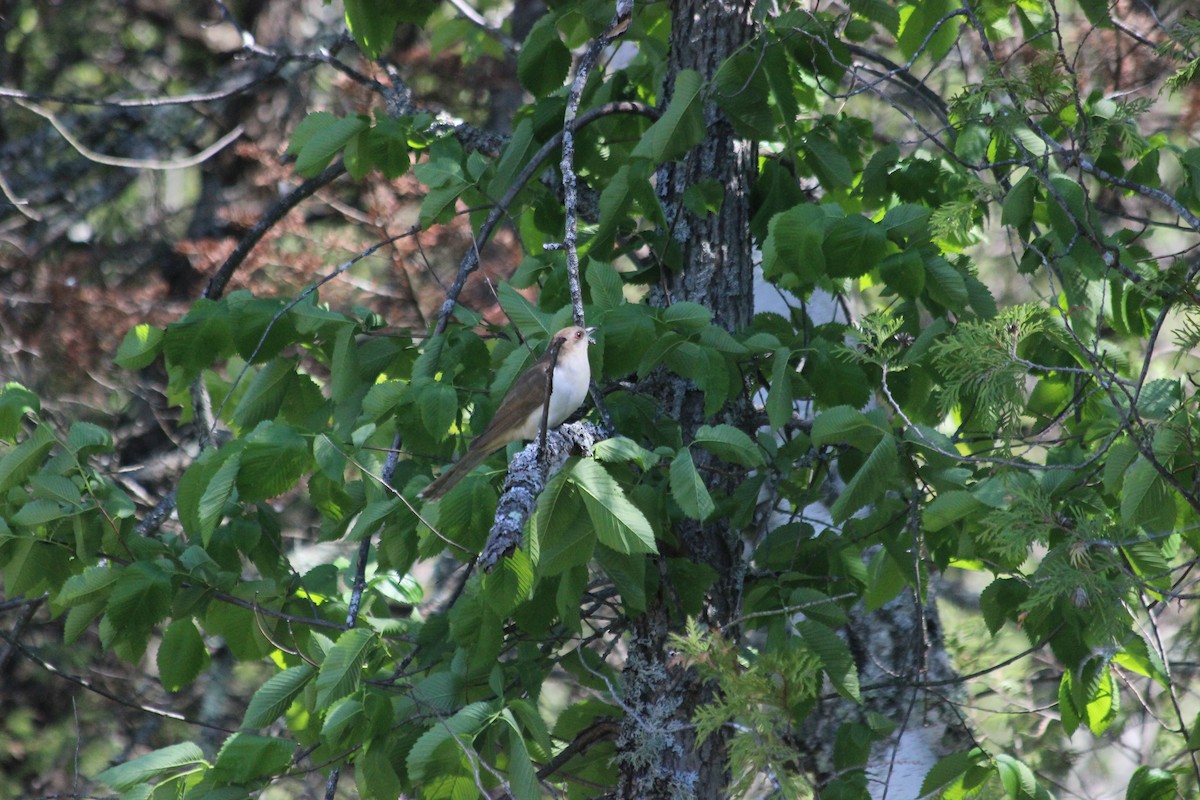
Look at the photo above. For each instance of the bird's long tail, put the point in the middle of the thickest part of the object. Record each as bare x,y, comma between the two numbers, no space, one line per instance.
447,480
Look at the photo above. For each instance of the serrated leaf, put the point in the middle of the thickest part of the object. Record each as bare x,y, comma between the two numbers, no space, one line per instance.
139,348
38,512
681,125
145,769
273,459
246,756
275,696
182,655
868,484
93,584
730,444
853,246
949,507
621,449
438,406
1144,496
324,141
604,284
945,284
779,394
834,655
341,672
204,489
1016,777
85,438
686,316
266,393
461,727
619,523
528,318
509,583
15,402
563,532
792,254
946,770
841,425
21,461
687,487
1151,783
544,60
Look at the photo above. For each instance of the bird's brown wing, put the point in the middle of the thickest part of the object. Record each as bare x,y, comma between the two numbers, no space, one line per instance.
527,394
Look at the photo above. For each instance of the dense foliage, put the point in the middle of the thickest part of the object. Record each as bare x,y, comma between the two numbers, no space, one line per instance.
1006,392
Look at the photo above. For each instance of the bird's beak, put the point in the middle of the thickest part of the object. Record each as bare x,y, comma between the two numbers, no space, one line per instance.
589,332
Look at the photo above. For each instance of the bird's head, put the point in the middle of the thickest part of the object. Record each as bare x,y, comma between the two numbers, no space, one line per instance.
575,337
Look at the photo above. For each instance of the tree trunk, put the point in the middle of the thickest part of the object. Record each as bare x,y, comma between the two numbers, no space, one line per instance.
658,753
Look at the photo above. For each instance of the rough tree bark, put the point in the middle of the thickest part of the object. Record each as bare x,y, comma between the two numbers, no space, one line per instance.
658,753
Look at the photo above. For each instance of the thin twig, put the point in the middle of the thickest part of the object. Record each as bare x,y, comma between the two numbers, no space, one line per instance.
470,261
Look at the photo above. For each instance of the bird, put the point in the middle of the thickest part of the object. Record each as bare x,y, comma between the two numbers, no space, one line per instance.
520,413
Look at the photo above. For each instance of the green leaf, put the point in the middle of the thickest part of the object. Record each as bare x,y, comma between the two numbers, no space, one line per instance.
182,655
266,394
85,438
628,574
509,584
834,655
844,425
604,284
38,512
779,394
141,597
203,490
341,672
619,523
688,489
438,406
622,449
949,507
945,284
460,728
246,756
681,125
1151,783
522,778
93,584
275,696
875,475
326,136
528,318
1017,209
15,402
687,317
145,769
853,246
948,769
564,535
544,60
907,224
274,458
730,444
1146,499
21,461
1016,777
792,252
139,348
826,161
372,23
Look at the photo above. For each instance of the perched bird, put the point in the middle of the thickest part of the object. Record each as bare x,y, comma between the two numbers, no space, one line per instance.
520,413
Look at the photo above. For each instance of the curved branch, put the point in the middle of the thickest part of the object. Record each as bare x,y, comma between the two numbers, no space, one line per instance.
216,284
